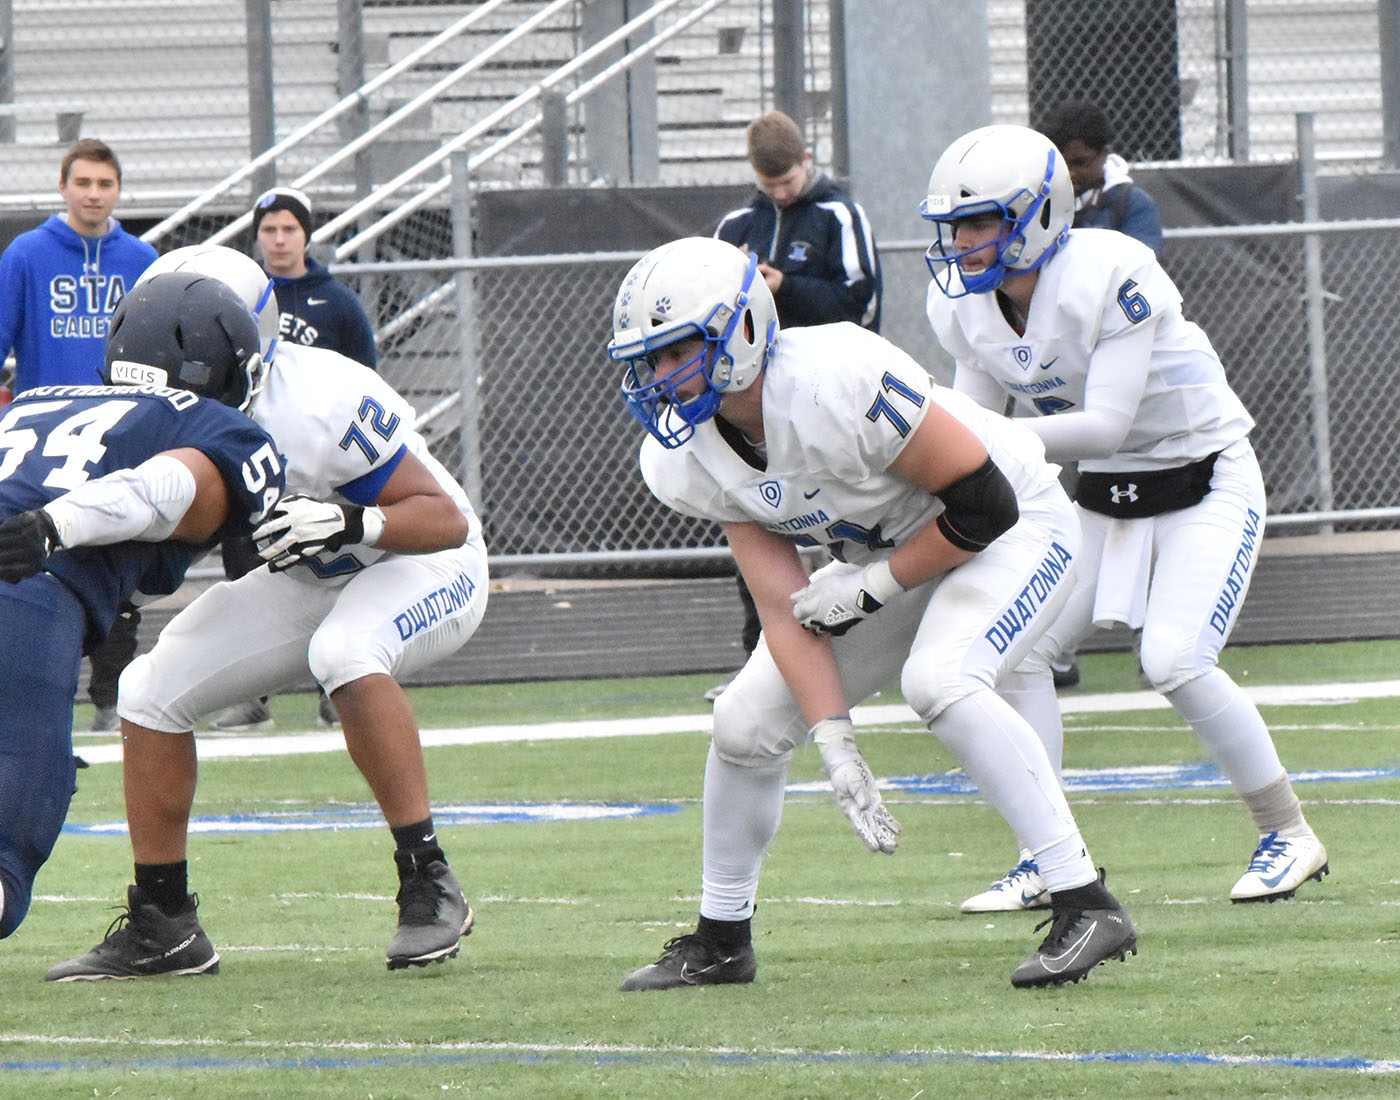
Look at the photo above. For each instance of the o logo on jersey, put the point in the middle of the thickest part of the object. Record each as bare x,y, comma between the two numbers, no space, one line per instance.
771,492
1023,357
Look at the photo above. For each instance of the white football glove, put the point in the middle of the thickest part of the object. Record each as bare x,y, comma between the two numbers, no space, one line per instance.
300,527
838,599
854,787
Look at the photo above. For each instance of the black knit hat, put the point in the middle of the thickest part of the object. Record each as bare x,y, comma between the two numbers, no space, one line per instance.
283,198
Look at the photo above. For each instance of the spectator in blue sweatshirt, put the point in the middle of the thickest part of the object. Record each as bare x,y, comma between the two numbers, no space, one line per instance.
61,283
316,310
59,286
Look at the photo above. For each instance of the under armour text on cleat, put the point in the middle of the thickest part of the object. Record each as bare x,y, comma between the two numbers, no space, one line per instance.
689,960
255,714
1279,866
144,943
1087,927
434,915
1020,888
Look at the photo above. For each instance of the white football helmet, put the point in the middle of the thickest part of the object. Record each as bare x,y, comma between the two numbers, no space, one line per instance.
234,269
1012,170
695,286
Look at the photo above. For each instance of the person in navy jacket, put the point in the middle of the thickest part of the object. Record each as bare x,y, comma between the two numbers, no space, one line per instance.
317,311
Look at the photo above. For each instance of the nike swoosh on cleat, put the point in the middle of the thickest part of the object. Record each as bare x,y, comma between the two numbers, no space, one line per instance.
1028,898
690,977
1063,961
1273,880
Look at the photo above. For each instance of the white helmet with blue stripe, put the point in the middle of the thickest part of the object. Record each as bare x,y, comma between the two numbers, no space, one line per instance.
1013,171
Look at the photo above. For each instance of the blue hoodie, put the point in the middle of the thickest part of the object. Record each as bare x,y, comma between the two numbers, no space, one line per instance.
58,291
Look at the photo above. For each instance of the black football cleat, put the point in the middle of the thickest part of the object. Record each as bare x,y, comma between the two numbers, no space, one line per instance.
1081,937
689,960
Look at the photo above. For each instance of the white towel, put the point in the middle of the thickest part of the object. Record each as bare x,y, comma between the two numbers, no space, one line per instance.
1124,571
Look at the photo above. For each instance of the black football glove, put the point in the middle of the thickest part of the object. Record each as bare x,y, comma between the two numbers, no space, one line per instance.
26,543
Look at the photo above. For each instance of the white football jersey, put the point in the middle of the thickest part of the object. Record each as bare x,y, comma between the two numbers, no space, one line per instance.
839,404
342,429
1099,284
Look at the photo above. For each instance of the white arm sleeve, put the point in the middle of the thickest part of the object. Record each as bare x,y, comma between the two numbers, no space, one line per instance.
981,387
1112,392
145,503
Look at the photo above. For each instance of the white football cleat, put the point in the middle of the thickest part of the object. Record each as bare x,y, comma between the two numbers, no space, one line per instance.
1019,889
1280,865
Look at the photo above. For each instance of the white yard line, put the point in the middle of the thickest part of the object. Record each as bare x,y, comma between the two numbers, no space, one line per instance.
877,714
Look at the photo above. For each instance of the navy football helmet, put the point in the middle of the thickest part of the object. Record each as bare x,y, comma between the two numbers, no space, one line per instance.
187,332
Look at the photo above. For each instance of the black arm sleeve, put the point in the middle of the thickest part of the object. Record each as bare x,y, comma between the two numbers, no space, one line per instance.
978,509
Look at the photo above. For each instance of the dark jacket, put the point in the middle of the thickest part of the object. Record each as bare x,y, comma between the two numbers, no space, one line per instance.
823,245
321,313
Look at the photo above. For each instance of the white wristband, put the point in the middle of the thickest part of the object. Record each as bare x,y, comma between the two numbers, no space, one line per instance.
829,731
879,581
373,521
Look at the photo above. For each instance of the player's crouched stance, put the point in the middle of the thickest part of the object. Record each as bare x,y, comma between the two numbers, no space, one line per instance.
157,466
377,568
951,535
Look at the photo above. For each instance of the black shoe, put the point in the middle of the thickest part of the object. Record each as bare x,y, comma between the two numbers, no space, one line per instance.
433,917
1066,675
144,943
1079,939
689,960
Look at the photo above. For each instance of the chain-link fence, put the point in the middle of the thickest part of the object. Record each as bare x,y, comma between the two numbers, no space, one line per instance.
188,93
505,365
1200,80
557,481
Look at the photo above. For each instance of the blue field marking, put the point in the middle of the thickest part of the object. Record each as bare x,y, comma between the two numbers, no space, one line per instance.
469,1054
936,785
369,817
1080,780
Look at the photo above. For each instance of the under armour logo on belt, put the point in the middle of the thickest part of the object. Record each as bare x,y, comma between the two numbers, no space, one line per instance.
1120,495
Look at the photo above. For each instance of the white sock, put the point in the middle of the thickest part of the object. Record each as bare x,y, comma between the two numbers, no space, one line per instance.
1032,696
1005,758
742,809
1230,729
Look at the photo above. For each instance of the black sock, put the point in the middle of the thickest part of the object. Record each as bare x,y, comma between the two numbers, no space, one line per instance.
727,934
166,885
1094,895
416,846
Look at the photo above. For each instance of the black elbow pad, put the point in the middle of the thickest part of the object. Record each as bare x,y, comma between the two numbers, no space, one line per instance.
978,509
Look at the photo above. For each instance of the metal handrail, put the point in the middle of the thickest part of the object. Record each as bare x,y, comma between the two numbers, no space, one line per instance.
443,152
331,114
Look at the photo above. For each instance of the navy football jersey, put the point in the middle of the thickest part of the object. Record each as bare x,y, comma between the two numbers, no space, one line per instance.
54,438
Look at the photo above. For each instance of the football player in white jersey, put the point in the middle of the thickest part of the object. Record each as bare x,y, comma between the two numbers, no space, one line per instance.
951,535
377,568
1084,330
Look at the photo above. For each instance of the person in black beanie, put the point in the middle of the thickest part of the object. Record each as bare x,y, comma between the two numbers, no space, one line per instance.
316,310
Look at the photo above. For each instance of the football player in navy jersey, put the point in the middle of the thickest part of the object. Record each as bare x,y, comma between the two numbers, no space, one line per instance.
108,493
377,567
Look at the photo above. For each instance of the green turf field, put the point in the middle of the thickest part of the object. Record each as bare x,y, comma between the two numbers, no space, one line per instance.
870,983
